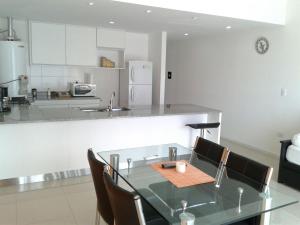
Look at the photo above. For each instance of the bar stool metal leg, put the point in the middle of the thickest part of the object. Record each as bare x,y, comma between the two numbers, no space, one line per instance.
202,133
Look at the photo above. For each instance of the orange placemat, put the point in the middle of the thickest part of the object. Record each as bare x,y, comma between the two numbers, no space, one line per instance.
192,175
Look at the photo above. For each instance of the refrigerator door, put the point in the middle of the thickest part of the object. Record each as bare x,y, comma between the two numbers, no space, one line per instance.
140,95
140,72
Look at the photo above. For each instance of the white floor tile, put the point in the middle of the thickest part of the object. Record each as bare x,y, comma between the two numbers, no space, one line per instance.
8,214
44,209
83,206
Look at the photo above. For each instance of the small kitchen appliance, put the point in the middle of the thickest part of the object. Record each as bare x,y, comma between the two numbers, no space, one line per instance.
83,89
4,100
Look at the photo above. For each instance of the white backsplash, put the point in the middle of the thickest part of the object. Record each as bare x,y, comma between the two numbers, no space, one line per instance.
54,77
57,78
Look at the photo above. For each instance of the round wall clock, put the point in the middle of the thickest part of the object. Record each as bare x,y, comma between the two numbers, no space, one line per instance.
262,45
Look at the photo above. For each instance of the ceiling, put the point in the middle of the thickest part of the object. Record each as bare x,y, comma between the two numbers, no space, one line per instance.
126,16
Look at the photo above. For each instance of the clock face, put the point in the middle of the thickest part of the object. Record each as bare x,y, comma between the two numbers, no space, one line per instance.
262,45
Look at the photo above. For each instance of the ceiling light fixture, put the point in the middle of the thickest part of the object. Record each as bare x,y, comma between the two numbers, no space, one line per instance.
194,18
112,22
228,27
91,3
186,34
148,11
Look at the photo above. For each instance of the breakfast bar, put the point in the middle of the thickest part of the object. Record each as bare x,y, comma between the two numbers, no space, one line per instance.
62,135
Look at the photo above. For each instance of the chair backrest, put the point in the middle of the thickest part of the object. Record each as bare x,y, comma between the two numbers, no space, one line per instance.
126,206
210,150
103,203
254,173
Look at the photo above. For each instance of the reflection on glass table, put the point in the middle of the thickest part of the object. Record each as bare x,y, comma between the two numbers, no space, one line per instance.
231,198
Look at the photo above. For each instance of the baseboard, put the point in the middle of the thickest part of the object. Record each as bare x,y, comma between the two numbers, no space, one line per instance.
45,177
261,151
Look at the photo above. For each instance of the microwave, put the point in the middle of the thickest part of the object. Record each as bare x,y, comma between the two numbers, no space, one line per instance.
81,89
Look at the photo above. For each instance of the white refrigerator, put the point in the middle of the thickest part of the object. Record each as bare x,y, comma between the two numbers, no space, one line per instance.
136,84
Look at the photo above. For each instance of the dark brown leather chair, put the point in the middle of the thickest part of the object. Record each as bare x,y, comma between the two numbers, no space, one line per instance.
127,206
252,173
103,204
211,151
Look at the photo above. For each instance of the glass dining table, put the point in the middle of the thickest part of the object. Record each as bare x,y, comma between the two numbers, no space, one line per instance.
229,199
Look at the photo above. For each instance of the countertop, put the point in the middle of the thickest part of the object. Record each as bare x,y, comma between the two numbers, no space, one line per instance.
33,113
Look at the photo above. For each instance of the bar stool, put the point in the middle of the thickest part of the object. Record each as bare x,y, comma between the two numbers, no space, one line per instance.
203,126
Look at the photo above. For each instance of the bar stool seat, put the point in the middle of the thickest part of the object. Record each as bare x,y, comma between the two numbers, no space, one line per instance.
203,126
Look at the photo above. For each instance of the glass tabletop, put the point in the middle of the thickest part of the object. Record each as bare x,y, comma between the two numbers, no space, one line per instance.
231,198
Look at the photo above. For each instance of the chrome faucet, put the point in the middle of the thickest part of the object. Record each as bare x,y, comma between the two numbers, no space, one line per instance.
111,101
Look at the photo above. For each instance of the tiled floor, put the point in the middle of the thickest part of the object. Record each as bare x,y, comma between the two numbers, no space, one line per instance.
73,202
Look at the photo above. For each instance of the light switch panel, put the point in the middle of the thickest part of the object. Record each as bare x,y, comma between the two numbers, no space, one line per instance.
284,92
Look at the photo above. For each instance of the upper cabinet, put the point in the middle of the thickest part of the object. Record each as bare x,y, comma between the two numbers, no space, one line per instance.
108,38
62,44
48,43
81,45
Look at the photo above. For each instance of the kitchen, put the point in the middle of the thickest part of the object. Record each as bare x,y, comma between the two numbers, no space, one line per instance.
109,75
69,85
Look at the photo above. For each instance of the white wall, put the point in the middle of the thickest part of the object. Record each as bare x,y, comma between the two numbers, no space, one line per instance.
225,72
57,78
270,11
157,54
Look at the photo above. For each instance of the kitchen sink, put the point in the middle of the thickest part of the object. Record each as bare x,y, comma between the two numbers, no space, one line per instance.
93,109
115,109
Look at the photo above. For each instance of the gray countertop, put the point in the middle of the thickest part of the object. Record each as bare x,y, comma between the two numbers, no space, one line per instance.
33,113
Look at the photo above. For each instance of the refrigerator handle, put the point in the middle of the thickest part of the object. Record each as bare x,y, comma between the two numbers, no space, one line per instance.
133,97
131,94
132,74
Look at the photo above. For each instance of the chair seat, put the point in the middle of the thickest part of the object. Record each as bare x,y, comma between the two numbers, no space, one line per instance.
240,223
149,212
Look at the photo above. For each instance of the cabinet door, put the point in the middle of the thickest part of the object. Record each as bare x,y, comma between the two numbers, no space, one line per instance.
48,43
140,72
108,38
81,45
140,95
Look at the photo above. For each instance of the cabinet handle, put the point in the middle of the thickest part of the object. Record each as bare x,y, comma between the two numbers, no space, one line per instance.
132,74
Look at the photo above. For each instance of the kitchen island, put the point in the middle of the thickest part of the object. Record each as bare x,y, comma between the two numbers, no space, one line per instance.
50,139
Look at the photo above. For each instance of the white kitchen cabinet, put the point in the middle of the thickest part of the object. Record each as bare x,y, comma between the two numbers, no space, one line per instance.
48,43
108,38
140,95
81,45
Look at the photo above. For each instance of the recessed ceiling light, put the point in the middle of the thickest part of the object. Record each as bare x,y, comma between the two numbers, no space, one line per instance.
194,18
228,27
148,11
186,34
91,3
112,22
